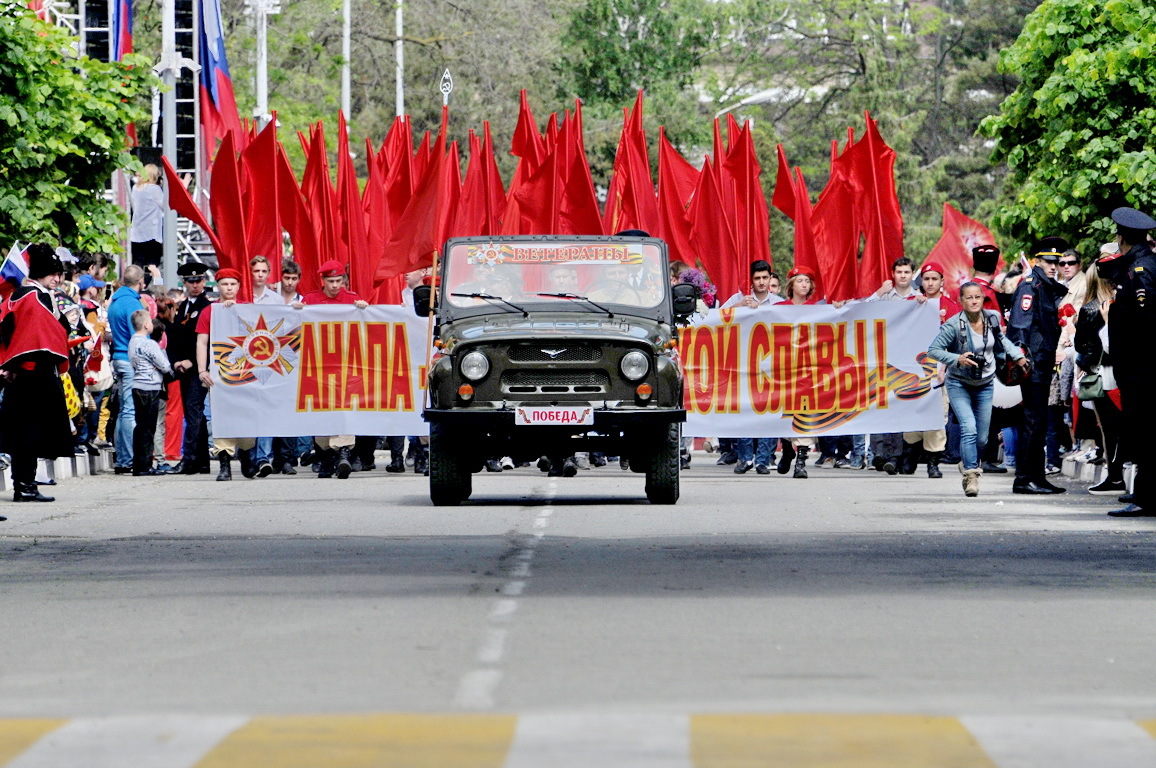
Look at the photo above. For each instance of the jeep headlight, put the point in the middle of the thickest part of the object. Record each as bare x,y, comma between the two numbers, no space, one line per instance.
634,365
475,365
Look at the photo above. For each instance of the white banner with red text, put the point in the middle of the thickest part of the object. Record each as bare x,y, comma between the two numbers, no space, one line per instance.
808,371
323,370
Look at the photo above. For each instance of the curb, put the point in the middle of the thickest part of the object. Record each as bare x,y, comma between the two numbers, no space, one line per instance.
64,468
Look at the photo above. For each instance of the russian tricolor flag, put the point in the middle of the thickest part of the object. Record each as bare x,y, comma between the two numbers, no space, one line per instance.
218,104
13,271
121,29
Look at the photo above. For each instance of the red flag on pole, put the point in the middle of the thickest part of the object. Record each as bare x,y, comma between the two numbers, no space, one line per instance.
677,180
421,230
877,207
713,236
296,220
953,251
181,202
229,216
836,234
259,163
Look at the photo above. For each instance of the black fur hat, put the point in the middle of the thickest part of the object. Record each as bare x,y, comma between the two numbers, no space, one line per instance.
43,261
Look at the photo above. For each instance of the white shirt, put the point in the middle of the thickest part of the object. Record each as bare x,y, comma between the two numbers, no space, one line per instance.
268,297
148,213
737,299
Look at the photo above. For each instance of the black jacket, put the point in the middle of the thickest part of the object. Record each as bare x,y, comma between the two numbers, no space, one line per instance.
1034,323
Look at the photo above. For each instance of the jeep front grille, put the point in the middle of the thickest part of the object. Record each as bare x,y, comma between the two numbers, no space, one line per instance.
555,382
559,353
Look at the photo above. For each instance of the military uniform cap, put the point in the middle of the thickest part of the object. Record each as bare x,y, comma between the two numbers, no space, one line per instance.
192,269
1130,218
1050,248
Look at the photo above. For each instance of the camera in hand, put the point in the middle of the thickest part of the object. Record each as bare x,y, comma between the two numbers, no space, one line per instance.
980,364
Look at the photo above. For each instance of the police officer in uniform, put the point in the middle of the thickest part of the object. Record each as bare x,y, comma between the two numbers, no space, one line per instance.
182,349
1131,322
1035,325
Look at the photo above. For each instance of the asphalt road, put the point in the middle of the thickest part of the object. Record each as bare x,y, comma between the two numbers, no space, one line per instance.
561,603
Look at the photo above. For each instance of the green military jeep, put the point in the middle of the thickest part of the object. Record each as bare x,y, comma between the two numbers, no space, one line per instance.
549,345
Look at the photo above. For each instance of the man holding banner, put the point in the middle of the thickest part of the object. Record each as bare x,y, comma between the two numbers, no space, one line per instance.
228,285
334,450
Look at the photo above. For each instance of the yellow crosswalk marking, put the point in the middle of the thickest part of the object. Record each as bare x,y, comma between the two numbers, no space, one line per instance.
361,741
1150,726
18,735
832,741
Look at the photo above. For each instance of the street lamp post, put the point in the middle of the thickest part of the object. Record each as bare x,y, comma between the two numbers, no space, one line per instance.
261,10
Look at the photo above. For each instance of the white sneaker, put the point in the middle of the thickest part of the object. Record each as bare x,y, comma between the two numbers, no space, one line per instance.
582,460
507,462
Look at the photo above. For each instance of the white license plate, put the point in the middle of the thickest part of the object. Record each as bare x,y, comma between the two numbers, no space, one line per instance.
525,416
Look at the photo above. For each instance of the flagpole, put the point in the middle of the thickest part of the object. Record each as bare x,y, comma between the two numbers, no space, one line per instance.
169,66
399,55
345,53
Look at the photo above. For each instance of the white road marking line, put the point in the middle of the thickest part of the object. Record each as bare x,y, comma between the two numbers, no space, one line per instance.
477,687
1062,741
476,690
147,741
597,741
503,610
493,646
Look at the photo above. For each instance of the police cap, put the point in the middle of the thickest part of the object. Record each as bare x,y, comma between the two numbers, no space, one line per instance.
1130,218
192,269
1050,248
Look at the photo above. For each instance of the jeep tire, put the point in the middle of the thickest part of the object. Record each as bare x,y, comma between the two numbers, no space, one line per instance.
662,467
450,481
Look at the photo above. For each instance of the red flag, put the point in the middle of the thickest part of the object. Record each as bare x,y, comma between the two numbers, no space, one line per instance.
352,217
318,191
631,201
953,251
836,235
495,195
749,216
713,237
376,208
263,233
578,212
399,182
295,217
806,254
784,197
421,230
527,143
877,207
229,216
181,202
676,184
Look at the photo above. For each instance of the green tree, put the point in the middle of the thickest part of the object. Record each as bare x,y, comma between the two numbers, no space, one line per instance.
1077,134
62,134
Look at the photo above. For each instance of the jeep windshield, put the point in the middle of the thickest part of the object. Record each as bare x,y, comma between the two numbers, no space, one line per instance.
581,275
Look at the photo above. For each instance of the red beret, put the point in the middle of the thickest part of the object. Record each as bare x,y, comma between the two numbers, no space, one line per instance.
332,268
931,266
800,271
228,273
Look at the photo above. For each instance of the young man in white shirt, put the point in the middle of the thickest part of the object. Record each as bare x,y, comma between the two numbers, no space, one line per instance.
757,453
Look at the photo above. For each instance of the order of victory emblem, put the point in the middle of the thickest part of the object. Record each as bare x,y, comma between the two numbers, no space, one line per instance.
257,355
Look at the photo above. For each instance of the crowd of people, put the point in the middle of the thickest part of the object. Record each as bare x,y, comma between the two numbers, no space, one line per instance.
84,367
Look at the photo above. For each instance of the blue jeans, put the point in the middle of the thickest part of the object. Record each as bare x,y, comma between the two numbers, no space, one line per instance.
262,452
126,418
757,449
972,409
1011,439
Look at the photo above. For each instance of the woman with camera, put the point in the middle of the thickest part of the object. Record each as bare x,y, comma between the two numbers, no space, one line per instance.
971,345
